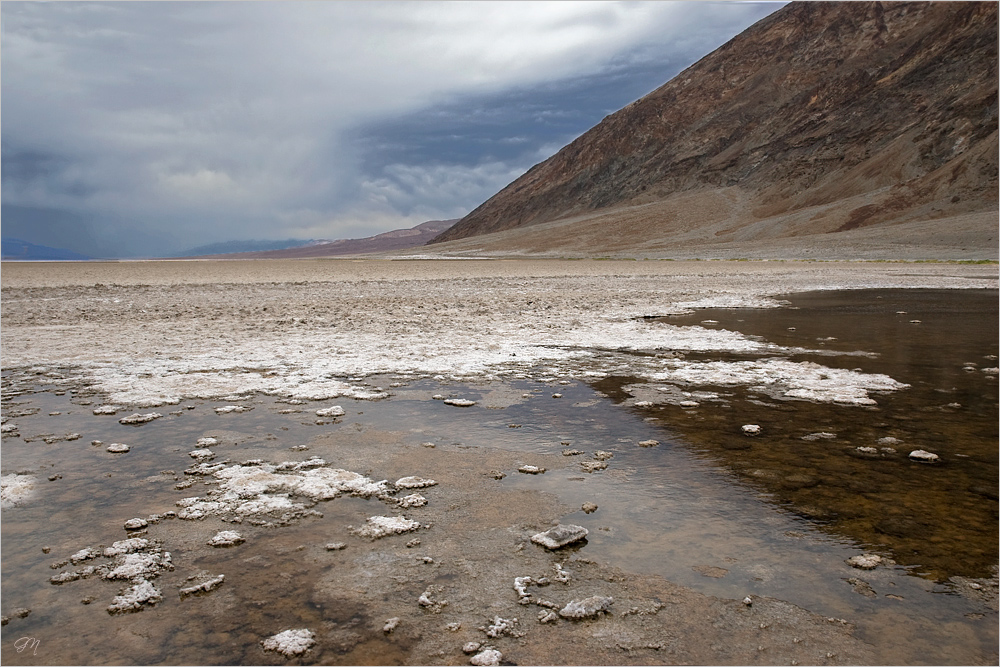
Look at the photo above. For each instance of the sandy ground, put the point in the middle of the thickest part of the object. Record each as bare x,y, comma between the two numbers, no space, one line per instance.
150,333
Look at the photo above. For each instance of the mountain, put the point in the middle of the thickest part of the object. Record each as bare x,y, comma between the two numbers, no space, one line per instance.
836,121
16,249
226,247
398,239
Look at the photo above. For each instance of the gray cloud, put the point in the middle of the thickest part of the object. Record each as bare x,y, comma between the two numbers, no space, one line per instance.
159,126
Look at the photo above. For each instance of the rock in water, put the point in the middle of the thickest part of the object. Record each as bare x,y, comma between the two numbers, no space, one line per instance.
560,536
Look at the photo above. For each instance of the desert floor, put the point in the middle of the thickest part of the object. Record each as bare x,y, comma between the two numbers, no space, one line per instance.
286,338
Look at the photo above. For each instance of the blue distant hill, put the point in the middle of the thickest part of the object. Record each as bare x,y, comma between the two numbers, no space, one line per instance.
12,249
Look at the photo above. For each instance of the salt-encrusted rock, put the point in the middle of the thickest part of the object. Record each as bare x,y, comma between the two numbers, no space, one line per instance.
73,436
414,483
106,410
390,625
547,616
202,454
593,466
137,523
137,418
589,508
459,402
131,545
226,409
571,452
500,627
427,602
438,397
412,500
560,536
471,647
649,443
380,526
335,546
207,441
64,577
8,428
84,554
889,440
490,656
204,587
290,642
924,456
750,429
601,455
821,435
531,470
689,404
140,565
133,598
453,627
335,411
643,404
865,561
118,448
226,538
521,586
586,608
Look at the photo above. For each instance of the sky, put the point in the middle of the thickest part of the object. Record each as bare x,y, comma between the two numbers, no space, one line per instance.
149,128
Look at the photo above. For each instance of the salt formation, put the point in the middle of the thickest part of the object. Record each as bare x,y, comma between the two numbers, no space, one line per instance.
136,419
15,489
586,608
560,536
377,527
290,642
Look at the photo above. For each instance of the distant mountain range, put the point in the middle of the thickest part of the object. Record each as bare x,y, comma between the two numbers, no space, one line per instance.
243,246
16,249
824,123
398,239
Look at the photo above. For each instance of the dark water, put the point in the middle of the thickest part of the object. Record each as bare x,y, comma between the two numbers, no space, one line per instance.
708,508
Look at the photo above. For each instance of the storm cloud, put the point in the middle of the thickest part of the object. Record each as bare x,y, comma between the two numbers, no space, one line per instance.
147,128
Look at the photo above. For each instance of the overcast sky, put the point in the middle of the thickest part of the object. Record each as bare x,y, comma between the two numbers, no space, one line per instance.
149,128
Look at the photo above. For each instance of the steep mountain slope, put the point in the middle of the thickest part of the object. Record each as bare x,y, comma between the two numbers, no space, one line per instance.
821,119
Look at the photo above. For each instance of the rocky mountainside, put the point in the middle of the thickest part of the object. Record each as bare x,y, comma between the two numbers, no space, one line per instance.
397,239
823,119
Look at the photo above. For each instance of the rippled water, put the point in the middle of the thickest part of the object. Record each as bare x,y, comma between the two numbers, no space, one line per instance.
708,508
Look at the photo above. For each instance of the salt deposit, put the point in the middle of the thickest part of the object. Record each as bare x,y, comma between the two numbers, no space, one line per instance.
290,642
586,608
136,418
226,538
377,527
118,448
414,483
134,597
15,489
203,587
335,411
924,456
486,658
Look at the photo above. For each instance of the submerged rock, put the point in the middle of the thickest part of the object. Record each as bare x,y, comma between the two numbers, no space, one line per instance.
587,608
560,536
290,642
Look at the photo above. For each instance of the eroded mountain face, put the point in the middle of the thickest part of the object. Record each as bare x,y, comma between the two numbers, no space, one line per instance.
888,109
